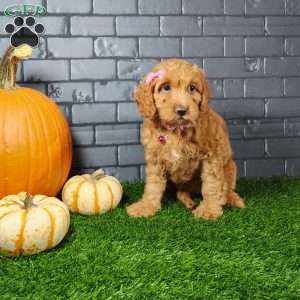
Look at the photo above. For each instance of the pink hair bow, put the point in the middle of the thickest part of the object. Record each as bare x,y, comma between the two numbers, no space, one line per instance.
153,75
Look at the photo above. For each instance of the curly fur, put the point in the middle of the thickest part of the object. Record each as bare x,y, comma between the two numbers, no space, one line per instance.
197,157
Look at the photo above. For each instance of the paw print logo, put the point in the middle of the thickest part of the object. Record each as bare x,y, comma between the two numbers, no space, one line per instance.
24,31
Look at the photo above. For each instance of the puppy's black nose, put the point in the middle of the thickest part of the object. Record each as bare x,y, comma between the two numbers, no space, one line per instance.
181,111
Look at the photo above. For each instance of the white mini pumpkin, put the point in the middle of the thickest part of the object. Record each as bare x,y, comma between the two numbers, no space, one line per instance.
31,224
91,194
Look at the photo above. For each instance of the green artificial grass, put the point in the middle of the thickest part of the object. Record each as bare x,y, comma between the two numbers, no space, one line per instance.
247,254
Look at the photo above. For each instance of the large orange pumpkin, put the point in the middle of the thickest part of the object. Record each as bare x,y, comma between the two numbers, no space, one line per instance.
35,140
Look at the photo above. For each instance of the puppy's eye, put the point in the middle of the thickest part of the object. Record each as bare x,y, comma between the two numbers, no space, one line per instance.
165,87
191,88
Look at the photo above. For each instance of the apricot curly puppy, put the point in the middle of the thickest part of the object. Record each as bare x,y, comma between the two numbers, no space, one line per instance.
185,142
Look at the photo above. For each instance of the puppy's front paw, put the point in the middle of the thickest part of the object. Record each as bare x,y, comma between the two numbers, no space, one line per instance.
142,208
208,212
235,200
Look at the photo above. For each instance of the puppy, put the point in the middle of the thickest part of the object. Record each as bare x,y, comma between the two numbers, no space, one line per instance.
185,142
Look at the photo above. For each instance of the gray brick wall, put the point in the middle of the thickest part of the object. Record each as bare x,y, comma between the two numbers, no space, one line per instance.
93,53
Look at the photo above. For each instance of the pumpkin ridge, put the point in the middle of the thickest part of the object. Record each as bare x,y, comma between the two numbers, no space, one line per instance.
3,161
52,226
8,213
74,203
58,130
35,113
42,131
62,123
10,204
112,201
20,240
28,146
97,206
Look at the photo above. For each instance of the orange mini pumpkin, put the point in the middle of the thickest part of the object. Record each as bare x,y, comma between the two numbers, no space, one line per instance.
35,139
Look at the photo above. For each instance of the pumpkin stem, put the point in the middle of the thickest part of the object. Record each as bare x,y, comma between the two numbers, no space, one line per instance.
98,174
9,65
28,201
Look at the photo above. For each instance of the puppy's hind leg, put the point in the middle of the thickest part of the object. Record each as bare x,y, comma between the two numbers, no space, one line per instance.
233,199
185,198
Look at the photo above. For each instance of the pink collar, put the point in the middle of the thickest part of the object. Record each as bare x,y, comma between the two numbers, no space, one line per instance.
162,138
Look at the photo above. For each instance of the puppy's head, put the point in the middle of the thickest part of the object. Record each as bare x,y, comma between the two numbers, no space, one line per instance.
175,92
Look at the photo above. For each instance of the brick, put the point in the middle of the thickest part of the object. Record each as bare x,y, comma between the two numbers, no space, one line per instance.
114,90
117,134
203,7
282,66
71,91
92,26
248,148
284,147
240,168
239,109
46,70
112,46
159,47
234,46
70,47
234,7
54,25
158,7
93,113
292,127
94,157
68,6
233,88
283,107
293,167
292,7
264,87
93,69
264,46
180,25
264,128
123,173
203,46
232,67
265,7
40,51
128,112
115,7
82,135
136,26
41,87
236,129
233,26
292,46
292,87
135,69
216,87
4,43
131,155
197,61
265,168
282,25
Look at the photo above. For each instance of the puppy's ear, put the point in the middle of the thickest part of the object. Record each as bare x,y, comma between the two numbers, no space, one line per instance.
206,94
206,91
143,95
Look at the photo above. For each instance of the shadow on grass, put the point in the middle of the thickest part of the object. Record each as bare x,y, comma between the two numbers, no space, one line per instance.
246,187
